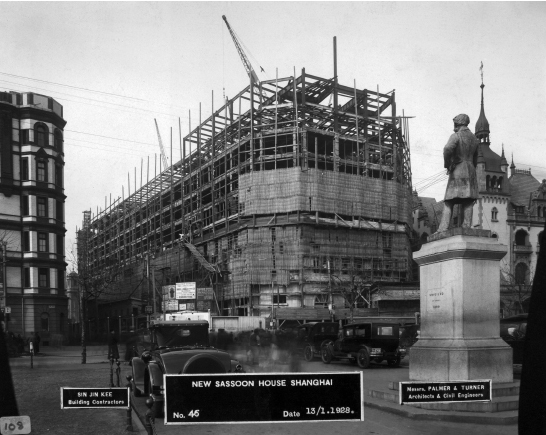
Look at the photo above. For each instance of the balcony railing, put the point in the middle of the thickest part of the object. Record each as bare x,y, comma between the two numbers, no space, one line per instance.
523,249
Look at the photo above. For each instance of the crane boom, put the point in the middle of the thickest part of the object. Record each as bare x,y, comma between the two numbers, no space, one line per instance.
246,62
163,156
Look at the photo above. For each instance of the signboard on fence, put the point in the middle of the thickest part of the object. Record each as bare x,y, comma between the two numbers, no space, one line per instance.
205,294
170,305
169,292
185,290
263,397
186,306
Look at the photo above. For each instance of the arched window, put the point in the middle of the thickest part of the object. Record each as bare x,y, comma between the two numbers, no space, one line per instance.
41,135
424,237
494,213
494,182
44,321
521,273
500,183
58,140
487,182
521,238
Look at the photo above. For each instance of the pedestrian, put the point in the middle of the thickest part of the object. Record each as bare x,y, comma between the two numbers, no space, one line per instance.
255,347
213,336
113,352
129,352
275,347
221,339
37,340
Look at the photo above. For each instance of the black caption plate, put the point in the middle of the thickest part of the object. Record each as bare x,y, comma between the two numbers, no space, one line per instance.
271,397
449,391
74,398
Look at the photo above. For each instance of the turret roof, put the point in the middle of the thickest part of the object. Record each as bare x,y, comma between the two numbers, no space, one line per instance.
482,125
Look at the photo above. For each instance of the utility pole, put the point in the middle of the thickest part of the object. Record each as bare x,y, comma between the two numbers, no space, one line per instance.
330,300
153,288
148,289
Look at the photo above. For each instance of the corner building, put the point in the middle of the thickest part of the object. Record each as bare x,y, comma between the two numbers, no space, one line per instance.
283,194
32,215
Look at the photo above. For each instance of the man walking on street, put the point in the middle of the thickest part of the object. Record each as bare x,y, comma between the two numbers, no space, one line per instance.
255,347
113,352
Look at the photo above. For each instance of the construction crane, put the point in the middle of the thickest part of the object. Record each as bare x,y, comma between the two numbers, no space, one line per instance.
163,156
246,62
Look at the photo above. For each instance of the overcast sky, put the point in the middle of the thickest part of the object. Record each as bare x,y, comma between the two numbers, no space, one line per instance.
117,66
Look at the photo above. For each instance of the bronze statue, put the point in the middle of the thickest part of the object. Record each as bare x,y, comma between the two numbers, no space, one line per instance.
460,159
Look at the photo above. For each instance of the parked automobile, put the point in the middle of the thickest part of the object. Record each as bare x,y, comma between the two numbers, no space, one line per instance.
176,347
512,330
310,337
364,342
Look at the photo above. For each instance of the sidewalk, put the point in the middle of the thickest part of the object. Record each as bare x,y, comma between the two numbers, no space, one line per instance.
50,355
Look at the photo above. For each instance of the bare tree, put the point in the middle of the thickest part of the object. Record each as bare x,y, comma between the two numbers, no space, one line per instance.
353,287
516,289
92,285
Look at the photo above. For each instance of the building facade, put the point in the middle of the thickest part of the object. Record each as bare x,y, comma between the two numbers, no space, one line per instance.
285,195
32,215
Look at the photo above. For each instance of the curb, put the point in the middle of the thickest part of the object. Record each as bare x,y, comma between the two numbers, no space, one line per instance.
459,417
138,424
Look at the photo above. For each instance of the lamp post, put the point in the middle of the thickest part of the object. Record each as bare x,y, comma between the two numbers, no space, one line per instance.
330,301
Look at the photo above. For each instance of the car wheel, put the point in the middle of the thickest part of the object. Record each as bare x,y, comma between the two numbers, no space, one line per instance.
326,355
326,343
394,362
363,359
308,353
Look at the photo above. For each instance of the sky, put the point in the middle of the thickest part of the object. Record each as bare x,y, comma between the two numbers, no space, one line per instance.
115,67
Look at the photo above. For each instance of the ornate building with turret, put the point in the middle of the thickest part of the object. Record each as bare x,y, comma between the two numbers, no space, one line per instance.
32,228
511,204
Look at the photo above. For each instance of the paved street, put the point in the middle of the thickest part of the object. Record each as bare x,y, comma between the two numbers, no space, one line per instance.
38,396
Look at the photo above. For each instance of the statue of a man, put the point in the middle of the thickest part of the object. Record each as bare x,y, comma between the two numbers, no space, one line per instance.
460,159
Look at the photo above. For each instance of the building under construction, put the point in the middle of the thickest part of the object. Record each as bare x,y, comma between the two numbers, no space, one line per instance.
292,188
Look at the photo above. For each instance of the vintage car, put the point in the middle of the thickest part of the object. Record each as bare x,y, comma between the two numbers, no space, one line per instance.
310,337
512,331
364,342
176,347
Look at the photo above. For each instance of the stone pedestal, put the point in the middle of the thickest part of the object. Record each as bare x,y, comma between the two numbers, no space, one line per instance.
460,303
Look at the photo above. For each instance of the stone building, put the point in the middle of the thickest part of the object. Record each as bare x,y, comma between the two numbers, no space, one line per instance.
32,214
283,194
